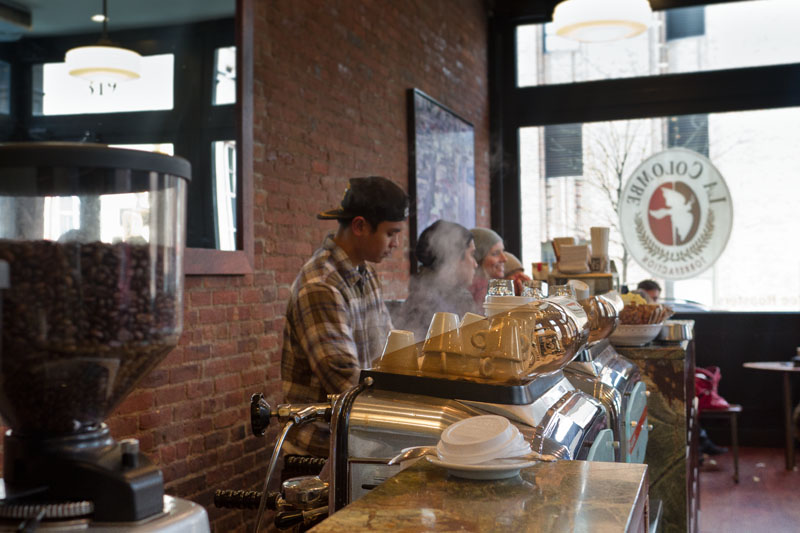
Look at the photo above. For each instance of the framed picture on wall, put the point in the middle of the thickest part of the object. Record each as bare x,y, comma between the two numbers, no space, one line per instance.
441,166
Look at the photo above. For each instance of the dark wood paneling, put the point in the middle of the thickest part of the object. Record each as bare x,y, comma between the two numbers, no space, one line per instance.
728,340
656,96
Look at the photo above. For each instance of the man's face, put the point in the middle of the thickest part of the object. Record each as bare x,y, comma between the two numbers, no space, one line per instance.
653,294
380,243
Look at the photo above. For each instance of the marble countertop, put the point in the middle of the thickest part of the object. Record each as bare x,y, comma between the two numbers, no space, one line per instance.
547,497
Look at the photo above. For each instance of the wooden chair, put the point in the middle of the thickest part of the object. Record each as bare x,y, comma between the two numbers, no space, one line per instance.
732,414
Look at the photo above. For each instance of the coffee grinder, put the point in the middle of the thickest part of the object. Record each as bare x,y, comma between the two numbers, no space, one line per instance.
93,238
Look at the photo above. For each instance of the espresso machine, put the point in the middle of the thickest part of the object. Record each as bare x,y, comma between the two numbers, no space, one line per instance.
93,239
475,372
616,382
509,364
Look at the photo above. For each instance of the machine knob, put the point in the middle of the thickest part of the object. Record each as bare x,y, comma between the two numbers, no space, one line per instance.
647,393
615,444
649,427
260,412
130,453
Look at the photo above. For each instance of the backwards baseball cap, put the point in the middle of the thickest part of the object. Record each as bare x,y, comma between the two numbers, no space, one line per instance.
375,198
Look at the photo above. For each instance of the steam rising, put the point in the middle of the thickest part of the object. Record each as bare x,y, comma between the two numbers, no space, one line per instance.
438,286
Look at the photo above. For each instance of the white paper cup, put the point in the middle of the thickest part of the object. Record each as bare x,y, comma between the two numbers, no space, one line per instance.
470,318
399,352
599,240
443,334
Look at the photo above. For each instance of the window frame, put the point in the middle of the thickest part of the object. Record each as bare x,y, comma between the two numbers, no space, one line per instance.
515,107
178,126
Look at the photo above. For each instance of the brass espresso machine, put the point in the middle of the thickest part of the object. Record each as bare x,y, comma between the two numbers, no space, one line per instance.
93,240
509,364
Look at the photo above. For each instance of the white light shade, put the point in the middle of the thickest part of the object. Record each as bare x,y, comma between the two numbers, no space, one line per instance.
103,63
595,21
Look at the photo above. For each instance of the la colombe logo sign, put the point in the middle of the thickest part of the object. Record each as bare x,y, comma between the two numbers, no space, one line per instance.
675,214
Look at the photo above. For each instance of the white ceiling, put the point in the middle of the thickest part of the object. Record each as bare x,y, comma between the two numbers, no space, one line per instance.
64,17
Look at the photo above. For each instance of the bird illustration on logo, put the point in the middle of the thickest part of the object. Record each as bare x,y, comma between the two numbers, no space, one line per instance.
674,213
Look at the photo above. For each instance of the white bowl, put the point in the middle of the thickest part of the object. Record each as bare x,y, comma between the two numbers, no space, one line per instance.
634,334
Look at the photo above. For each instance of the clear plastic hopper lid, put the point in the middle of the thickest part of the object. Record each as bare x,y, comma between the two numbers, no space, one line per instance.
93,237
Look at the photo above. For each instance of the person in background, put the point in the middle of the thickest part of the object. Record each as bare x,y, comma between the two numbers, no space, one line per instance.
446,251
336,321
490,258
513,270
649,290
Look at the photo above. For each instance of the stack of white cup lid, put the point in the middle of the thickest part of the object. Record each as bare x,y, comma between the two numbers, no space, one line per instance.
481,439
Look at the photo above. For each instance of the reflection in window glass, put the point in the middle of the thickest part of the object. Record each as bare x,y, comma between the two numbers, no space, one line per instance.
123,218
61,214
5,87
224,180
225,75
755,151
719,36
58,93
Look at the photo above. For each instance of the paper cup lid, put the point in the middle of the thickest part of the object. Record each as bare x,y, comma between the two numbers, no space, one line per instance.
479,432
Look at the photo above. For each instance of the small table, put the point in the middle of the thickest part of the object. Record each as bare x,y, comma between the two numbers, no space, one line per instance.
787,367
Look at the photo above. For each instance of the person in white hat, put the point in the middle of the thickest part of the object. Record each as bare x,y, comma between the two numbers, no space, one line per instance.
490,258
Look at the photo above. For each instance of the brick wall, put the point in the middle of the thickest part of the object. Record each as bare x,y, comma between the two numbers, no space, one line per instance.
330,103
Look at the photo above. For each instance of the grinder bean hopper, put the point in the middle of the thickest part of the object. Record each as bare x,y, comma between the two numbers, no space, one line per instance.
93,238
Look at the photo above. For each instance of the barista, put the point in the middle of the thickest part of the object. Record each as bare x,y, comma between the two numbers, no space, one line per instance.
336,321
491,260
446,252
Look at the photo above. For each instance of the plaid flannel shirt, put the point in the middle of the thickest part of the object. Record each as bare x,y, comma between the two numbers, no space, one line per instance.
336,324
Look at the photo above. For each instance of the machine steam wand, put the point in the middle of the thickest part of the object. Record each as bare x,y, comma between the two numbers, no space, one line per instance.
260,414
337,413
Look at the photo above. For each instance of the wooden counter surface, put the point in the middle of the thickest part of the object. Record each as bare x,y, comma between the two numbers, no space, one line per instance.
576,496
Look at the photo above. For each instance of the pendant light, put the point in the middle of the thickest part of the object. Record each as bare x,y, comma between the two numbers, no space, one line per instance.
103,62
593,21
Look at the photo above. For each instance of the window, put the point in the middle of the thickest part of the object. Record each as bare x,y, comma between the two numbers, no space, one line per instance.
58,93
732,96
756,155
563,149
224,165
685,22
689,131
225,75
718,36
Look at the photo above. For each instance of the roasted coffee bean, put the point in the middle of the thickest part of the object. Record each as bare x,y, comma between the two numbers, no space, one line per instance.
80,328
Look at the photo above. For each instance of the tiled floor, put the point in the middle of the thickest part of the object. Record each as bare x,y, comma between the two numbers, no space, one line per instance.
767,497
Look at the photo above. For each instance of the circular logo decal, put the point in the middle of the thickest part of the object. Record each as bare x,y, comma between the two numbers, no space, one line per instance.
675,214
